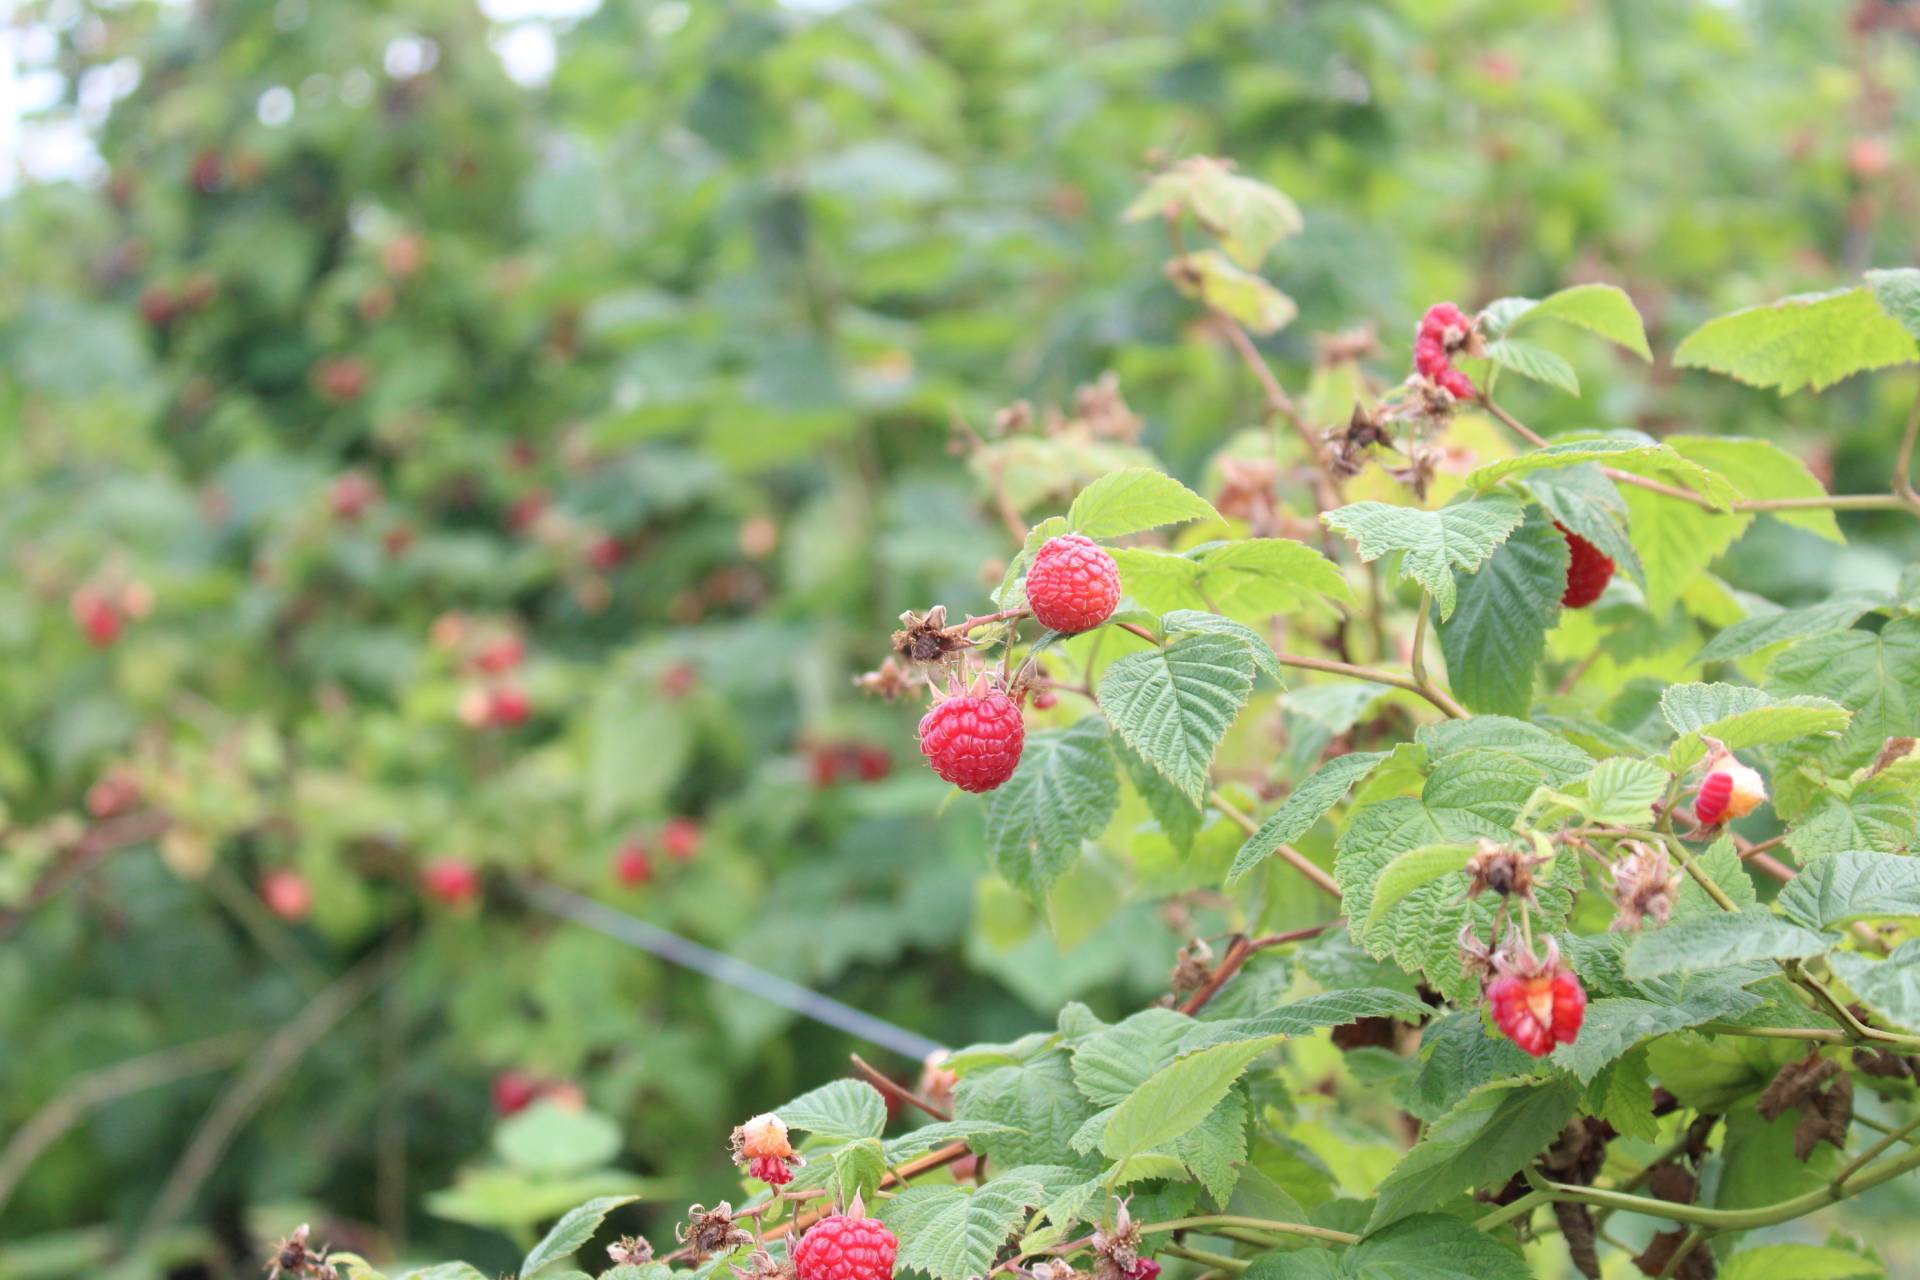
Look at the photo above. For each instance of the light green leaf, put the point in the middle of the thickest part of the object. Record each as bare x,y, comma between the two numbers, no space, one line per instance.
1739,717
952,1233
1799,1262
1813,339
1309,803
1409,871
1584,500
1178,1097
1898,294
1849,885
1676,541
1173,705
1063,793
1134,500
1531,360
1211,277
1495,639
1762,470
568,1234
1891,986
1598,308
1763,631
844,1109
1460,536
1248,216
1479,1143
551,1140
1558,454
1615,1024
1328,1009
1878,676
857,1169
1705,943
1036,1101
1621,791
1258,646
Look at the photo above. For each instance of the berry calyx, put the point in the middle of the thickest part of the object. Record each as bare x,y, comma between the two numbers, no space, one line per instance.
632,864
287,894
454,881
846,1247
681,839
1589,570
973,740
1538,1011
1730,790
1073,584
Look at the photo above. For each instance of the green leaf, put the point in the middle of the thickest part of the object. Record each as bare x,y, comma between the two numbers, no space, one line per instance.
1063,793
1880,815
1258,647
1460,536
1851,885
1799,1262
1409,871
1248,216
951,1233
1480,1142
1738,717
1110,1064
1898,294
568,1234
1891,987
1813,339
1584,500
844,1109
1309,802
1762,631
1134,500
1253,578
1876,675
1598,308
1216,1149
1706,943
1676,541
1621,791
1178,1097
1035,1100
1496,637
1531,360
1173,705
857,1169
1211,277
1559,454
1762,470
1615,1024
1328,1009
1180,817
551,1140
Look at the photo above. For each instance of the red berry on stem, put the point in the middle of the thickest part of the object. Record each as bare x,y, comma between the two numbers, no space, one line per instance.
1538,1012
509,706
1588,570
287,894
632,865
771,1170
973,740
873,763
352,494
96,616
681,839
454,881
843,1247
501,655
606,552
1073,584
1730,790
514,1090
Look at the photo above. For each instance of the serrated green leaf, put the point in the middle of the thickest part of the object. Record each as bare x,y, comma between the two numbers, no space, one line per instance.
1215,1150
1063,793
1248,216
952,1233
857,1169
1799,1262
1178,1097
1481,1142
1258,647
1497,635
1134,500
1762,470
844,1109
1880,815
1531,360
1598,308
1738,716
1241,295
568,1234
1878,676
1676,542
1851,885
1615,1024
1898,294
1891,986
1559,454
1621,792
1035,1100
1179,816
1457,1057
1583,499
1109,1065
1174,704
1435,543
1328,1009
1762,631
1309,802
1409,871
1813,339
1706,943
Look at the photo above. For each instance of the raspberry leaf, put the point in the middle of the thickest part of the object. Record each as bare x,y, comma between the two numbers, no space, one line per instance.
951,1232
1598,308
1480,1142
1676,542
1258,648
1063,793
844,1109
1435,543
1037,1102
1614,1025
573,1230
1621,791
1761,469
1738,717
1410,870
1710,942
1247,215
1178,1097
1173,705
1851,885
1876,675
1763,631
1132,501
1891,987
1800,1262
1212,278
1498,633
1582,498
857,1169
1879,815
1310,802
1809,340
1531,360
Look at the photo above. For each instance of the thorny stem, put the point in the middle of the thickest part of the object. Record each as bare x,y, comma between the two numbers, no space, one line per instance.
1299,861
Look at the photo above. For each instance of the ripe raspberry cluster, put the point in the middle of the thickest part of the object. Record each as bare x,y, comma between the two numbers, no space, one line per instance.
1588,570
1073,584
973,739
1538,1011
846,1247
1444,330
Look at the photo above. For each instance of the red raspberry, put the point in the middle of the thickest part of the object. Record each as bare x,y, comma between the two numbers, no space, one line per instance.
872,763
1073,584
632,865
606,552
771,1170
681,839
454,881
1588,571
514,1090
1440,317
501,654
1539,1012
973,740
287,894
846,1248
351,495
1456,384
1730,790
1143,1269
96,616
509,706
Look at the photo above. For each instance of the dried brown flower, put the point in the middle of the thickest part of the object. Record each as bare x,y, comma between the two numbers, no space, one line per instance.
1644,884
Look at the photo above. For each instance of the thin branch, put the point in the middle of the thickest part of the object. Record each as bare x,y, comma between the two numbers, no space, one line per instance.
1243,949
892,1089
1903,462
83,856
1437,697
1269,1225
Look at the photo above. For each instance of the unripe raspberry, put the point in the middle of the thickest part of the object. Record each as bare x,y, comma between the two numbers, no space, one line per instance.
1045,700
764,1135
1073,584
454,881
287,894
973,740
632,865
844,1247
1589,570
681,839
1540,1011
1730,790
475,708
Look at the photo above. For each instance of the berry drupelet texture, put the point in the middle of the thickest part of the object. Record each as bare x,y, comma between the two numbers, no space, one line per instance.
1589,570
843,1247
973,740
1073,584
1538,1012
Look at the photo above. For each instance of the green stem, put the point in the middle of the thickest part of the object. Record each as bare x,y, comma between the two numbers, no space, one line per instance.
1436,696
1218,1260
1520,1208
1874,1152
1270,1225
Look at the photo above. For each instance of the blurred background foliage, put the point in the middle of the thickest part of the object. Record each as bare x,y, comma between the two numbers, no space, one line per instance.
346,340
